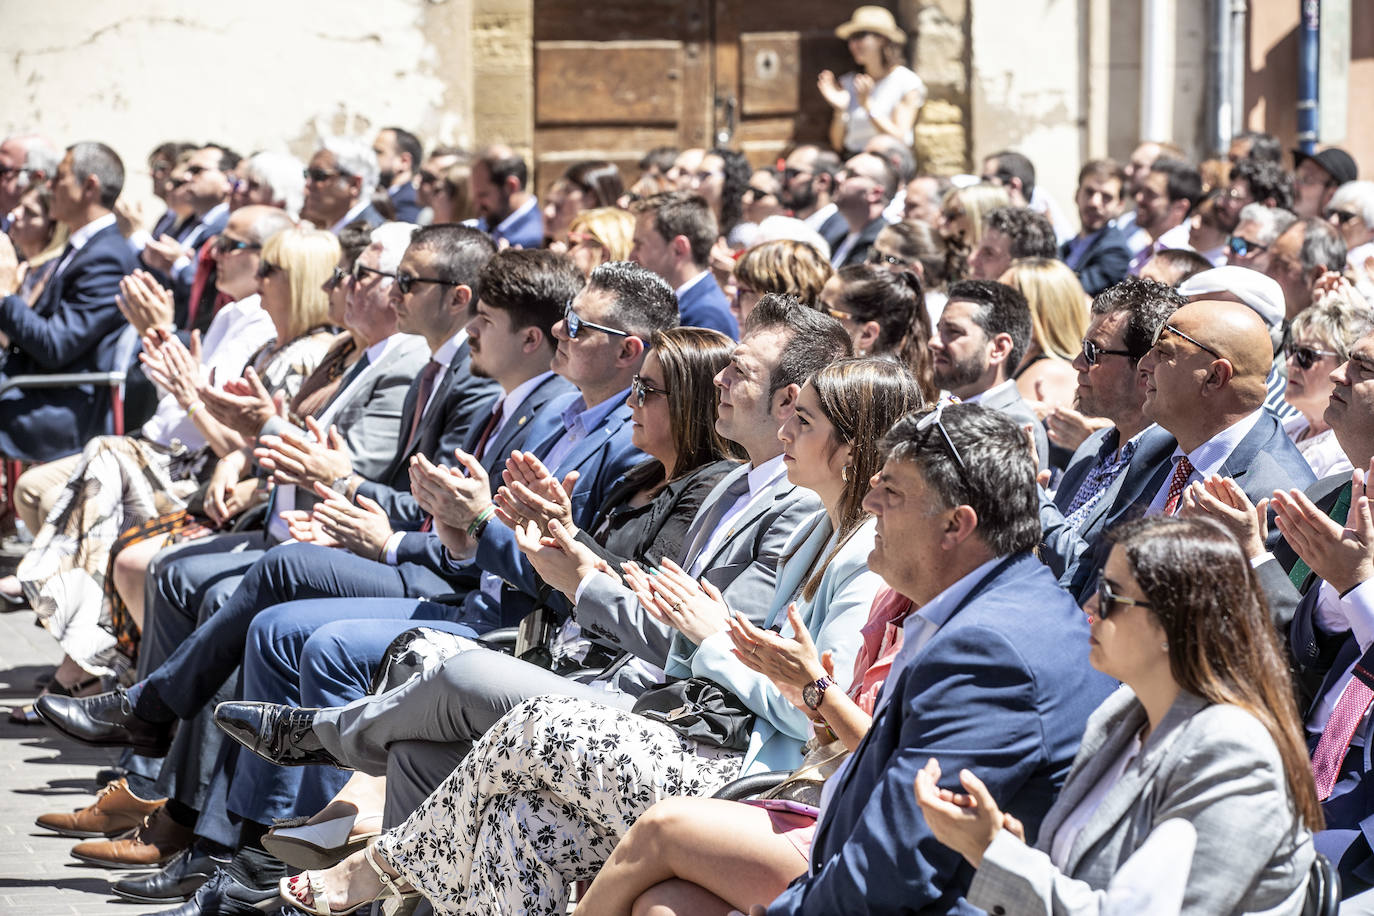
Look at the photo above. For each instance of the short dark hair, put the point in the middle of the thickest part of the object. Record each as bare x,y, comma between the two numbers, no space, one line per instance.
1147,304
644,302
598,180
660,157
228,158
736,174
532,286
1030,233
501,164
1001,310
1181,263
1102,170
91,157
683,213
1011,164
996,477
825,338
169,151
1184,181
1262,146
1268,181
1322,245
460,253
449,150
408,143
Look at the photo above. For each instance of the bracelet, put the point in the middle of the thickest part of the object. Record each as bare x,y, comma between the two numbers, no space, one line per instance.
479,524
191,410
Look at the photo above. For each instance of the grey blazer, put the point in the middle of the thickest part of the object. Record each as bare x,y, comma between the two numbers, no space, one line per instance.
1008,400
743,566
1212,765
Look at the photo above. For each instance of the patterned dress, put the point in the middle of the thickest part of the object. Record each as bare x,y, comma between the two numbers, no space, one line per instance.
122,481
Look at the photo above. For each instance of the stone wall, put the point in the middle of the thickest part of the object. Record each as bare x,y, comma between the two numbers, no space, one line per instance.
941,56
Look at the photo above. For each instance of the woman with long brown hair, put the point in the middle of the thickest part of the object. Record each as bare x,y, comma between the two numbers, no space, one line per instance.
1205,729
885,315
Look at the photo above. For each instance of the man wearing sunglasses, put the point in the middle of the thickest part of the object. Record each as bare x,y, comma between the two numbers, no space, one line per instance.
808,186
1258,228
339,179
674,232
865,187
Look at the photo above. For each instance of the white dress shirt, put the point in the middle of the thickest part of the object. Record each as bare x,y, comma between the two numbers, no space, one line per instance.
1207,458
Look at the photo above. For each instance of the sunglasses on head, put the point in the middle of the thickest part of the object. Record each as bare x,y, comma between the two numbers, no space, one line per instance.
1093,352
1109,602
932,419
1305,357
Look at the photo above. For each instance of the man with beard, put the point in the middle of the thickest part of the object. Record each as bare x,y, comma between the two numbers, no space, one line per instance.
808,181
506,210
1099,254
978,342
398,158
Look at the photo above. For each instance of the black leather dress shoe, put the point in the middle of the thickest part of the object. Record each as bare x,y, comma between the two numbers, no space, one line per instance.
106,719
284,735
177,880
225,895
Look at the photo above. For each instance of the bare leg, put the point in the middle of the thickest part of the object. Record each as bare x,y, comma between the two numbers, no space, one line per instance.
680,898
351,882
682,838
130,572
363,796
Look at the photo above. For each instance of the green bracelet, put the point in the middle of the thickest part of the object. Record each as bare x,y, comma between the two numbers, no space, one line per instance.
480,522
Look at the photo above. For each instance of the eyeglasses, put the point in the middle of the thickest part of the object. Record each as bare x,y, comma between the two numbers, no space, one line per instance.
359,272
335,278
1305,357
194,170
179,181
751,195
640,389
6,173
1197,343
1093,352
1108,601
404,281
933,419
789,174
575,325
1340,216
877,257
225,245
1241,246
428,178
318,175
266,269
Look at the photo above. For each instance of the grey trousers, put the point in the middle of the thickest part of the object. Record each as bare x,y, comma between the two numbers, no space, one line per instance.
417,733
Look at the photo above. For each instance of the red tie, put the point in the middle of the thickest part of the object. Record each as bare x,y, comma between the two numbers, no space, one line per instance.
422,399
493,422
1182,471
1340,728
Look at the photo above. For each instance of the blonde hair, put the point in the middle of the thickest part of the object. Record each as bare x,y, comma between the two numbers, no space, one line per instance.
1058,305
977,201
307,257
610,227
787,267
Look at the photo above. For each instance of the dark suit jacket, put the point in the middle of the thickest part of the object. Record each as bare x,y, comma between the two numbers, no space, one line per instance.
833,230
525,232
459,401
995,691
705,306
403,199
859,253
73,327
1106,262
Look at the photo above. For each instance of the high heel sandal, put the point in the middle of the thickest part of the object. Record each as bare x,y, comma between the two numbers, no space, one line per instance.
322,845
392,896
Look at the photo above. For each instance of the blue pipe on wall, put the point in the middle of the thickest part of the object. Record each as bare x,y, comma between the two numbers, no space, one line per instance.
1308,52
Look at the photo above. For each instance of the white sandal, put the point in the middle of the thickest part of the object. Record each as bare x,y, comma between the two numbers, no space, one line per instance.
392,895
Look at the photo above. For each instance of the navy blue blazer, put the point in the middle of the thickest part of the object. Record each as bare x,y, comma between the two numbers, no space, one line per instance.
403,199
73,327
1004,689
704,306
461,403
1106,262
859,253
525,232
833,230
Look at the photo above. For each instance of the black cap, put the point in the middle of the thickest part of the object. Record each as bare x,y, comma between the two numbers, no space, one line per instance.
1335,161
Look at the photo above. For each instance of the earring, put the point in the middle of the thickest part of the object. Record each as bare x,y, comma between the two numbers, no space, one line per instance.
844,473
1165,647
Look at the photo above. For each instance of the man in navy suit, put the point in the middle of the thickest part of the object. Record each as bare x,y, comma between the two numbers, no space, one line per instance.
1099,254
865,187
979,682
808,182
398,158
174,258
674,232
506,209
75,324
339,180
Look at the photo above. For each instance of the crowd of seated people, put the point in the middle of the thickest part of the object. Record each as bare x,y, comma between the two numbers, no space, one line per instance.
465,551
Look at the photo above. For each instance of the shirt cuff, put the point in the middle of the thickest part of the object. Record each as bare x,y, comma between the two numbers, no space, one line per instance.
582,586
1260,559
393,544
1359,610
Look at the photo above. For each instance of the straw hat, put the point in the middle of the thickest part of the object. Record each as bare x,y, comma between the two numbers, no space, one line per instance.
872,19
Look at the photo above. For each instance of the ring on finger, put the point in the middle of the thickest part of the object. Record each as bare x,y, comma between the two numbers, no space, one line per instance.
677,606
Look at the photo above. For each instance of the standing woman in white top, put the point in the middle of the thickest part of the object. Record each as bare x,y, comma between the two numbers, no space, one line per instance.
885,97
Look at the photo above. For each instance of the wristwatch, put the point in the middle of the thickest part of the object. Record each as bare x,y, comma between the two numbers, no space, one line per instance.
813,694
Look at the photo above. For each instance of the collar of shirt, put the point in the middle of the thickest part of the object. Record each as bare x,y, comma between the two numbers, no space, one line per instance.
1079,245
699,278
817,219
80,237
351,215
449,349
580,419
1208,457
1177,237
379,349
763,476
510,404
982,394
516,215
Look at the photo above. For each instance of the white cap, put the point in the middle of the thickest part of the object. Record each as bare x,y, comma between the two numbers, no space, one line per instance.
1260,292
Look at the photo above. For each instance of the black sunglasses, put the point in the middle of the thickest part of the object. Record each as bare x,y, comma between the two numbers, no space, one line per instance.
1341,216
266,269
1093,352
576,324
405,282
1305,357
320,174
225,245
640,389
1197,343
1109,601
359,272
1241,246
932,419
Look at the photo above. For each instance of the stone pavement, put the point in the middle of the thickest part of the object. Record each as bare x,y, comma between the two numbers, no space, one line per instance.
40,772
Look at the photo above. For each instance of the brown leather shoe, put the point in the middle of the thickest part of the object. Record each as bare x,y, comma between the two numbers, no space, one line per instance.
115,810
149,845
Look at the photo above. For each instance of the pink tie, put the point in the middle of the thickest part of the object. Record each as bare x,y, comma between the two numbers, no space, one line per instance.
1340,728
1182,471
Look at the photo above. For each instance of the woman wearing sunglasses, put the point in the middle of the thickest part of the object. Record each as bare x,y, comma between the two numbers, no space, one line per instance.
1319,340
1204,730
885,315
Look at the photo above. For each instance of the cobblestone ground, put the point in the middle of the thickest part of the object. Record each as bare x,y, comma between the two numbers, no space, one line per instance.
41,771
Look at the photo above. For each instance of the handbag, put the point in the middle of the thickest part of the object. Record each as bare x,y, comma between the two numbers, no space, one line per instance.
808,780
700,709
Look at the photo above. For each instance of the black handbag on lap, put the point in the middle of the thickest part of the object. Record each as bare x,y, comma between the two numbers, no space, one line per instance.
699,709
